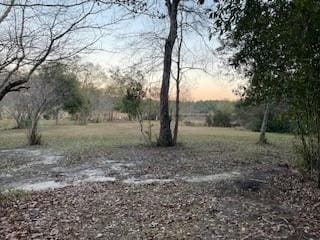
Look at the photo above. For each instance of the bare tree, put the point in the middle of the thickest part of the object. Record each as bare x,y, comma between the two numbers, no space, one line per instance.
16,107
33,32
50,87
178,79
94,82
166,15
165,135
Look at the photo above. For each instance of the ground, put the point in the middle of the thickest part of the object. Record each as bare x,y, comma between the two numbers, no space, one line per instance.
100,182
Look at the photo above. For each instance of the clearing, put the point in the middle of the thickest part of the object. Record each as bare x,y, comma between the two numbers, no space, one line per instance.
100,182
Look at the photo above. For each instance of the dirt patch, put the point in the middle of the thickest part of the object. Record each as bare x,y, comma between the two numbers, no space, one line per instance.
141,193
40,169
213,178
43,170
172,210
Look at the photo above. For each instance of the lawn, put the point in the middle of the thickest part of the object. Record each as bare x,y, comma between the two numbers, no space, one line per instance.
216,184
69,136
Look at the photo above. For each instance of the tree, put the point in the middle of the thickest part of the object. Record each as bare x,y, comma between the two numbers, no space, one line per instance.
52,87
263,129
16,107
276,43
35,32
250,98
178,81
95,85
75,100
245,28
219,119
131,102
128,86
173,9
167,17
165,135
251,115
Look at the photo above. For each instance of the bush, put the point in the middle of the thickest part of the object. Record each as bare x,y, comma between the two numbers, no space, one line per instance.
219,119
46,116
189,124
250,117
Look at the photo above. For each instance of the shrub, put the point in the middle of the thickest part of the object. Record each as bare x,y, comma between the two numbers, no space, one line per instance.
189,123
219,119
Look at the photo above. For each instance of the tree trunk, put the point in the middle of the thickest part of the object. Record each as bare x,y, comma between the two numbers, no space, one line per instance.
264,124
165,136
21,120
83,117
317,144
318,178
178,77
34,136
57,117
3,93
176,124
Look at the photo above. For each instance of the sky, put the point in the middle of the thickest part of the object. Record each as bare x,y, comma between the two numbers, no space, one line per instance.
132,42
208,89
200,86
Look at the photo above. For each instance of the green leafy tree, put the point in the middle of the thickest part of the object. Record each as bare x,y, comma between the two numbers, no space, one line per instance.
128,87
250,116
75,100
132,101
277,44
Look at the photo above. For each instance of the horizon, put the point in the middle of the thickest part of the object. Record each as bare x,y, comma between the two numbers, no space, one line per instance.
209,77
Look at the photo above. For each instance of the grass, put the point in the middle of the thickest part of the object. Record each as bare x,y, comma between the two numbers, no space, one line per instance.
72,138
172,210
69,135
10,195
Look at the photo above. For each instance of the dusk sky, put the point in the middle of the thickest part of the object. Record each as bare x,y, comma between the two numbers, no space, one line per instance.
201,86
132,42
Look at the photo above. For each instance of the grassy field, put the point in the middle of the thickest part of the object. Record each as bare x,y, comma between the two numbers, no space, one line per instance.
218,183
94,140
72,137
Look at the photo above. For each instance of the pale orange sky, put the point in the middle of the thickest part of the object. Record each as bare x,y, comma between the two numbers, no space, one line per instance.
213,92
212,87
200,86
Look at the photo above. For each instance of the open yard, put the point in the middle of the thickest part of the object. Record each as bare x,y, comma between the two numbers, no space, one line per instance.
215,70
100,182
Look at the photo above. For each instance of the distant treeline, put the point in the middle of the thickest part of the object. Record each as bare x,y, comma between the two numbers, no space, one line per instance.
238,113
226,114
207,106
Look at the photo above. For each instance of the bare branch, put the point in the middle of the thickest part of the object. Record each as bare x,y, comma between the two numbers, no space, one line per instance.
7,11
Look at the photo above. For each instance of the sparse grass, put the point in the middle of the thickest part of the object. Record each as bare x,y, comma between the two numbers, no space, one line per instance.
10,195
72,137
69,136
91,139
6,124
